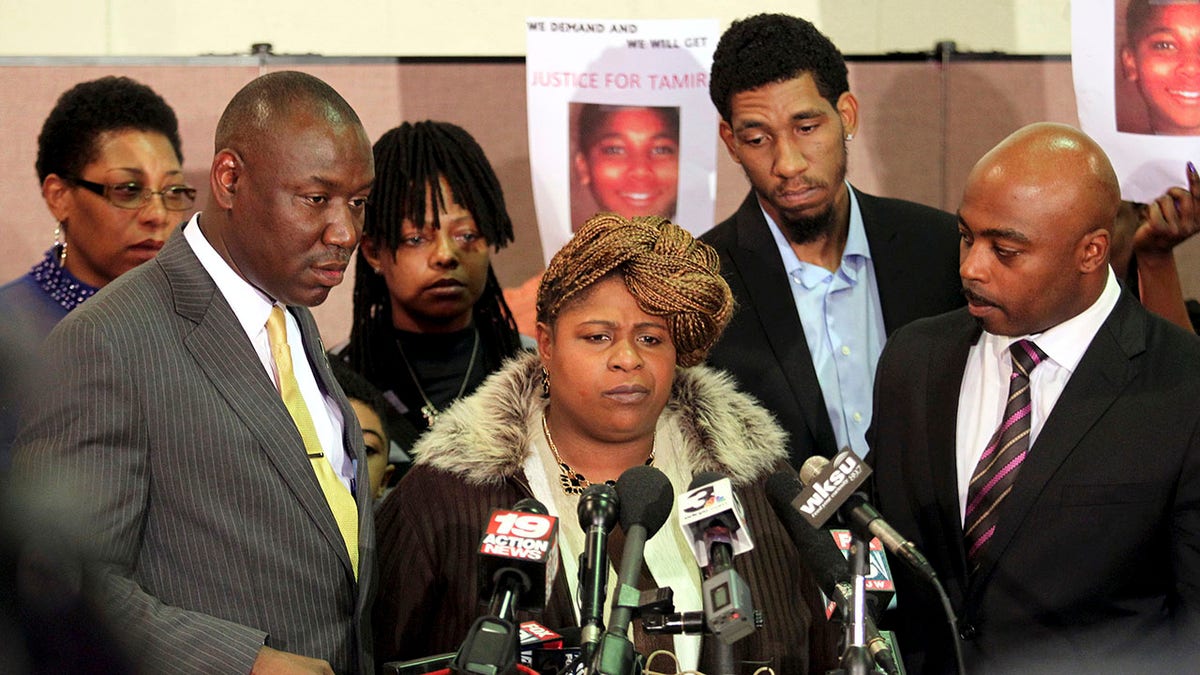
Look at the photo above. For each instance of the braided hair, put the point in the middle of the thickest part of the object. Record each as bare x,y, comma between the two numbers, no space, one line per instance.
409,161
669,273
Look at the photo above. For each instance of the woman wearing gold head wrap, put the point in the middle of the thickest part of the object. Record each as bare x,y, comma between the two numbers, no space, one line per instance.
625,312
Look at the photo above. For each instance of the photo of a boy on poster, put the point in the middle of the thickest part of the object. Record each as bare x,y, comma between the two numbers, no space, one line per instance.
624,159
1157,84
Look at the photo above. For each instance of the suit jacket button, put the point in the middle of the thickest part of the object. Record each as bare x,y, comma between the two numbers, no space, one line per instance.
967,632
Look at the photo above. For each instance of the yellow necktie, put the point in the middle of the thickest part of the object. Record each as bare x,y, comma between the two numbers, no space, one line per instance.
341,502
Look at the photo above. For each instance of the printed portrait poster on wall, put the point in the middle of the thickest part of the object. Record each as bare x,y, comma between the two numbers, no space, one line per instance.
1136,65
620,120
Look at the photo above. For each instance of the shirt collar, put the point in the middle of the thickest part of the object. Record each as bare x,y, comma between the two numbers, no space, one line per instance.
1066,343
251,306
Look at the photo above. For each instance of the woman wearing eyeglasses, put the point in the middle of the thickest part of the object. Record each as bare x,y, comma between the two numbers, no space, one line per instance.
110,164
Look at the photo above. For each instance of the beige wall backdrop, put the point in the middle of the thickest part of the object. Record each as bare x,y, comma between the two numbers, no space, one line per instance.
491,28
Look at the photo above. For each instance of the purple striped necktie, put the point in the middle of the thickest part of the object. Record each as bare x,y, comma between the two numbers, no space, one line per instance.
998,466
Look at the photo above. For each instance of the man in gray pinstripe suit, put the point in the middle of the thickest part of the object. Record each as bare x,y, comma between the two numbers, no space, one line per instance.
220,552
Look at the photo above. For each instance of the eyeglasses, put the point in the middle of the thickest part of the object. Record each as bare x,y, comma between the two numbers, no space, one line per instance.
134,196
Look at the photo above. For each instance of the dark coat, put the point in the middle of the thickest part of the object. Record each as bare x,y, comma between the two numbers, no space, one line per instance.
1097,550
914,249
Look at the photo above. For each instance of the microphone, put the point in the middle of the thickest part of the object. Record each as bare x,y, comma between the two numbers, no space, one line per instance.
709,512
861,516
646,500
822,557
517,548
598,506
515,553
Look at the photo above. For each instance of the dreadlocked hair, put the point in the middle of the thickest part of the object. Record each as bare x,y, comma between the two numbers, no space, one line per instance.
409,160
669,273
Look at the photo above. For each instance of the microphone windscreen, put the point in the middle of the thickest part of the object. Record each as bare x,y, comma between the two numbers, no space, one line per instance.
704,478
531,505
782,487
816,547
646,498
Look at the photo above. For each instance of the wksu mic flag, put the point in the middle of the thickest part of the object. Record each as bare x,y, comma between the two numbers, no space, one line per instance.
828,484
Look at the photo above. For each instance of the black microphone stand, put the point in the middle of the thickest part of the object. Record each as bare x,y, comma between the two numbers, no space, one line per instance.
856,659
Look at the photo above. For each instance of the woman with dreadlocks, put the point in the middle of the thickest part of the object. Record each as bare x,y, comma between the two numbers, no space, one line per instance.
430,321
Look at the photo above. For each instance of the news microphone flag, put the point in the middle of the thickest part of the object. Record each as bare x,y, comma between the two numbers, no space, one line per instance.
827,489
698,507
524,541
878,583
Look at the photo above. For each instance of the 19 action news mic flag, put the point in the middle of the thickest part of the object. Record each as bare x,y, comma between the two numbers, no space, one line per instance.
516,553
517,549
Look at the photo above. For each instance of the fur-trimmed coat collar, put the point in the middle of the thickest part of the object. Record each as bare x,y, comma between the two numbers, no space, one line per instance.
485,438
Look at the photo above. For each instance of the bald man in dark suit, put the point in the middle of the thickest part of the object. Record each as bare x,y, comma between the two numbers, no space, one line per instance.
1042,445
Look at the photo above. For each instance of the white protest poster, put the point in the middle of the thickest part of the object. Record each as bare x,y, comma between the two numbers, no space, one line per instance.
620,120
1136,67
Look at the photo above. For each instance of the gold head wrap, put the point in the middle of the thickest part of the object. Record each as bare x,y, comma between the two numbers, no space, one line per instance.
669,273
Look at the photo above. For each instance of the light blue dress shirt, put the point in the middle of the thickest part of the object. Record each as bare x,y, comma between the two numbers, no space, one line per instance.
843,325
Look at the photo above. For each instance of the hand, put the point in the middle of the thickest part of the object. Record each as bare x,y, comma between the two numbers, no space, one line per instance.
274,662
1170,219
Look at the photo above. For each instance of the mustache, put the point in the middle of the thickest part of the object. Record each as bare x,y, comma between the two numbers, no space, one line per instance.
337,256
803,182
977,299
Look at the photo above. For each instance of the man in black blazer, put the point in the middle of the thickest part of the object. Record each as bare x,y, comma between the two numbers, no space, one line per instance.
1068,540
221,551
821,286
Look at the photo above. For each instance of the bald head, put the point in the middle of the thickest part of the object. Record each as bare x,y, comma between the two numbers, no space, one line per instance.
1059,166
266,105
1036,218
289,185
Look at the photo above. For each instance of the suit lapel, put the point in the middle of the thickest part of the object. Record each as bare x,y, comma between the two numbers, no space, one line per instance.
947,362
222,350
758,263
1103,372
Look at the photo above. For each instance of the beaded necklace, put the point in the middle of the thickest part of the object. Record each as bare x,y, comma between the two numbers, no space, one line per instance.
572,481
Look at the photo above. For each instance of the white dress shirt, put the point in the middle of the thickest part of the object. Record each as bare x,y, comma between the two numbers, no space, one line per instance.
984,391
252,307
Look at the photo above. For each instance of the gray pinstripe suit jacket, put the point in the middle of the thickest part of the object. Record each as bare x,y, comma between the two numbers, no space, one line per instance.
212,529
